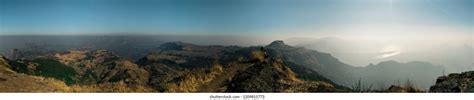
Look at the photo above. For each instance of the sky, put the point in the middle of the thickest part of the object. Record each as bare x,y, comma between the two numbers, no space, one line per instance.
239,17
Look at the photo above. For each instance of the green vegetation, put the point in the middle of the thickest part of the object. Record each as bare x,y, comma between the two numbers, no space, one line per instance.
55,69
88,77
47,68
119,77
19,66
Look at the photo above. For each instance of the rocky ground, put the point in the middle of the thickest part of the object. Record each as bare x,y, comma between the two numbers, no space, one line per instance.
457,82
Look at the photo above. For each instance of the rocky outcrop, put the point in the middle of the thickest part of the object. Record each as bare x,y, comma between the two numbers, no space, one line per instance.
463,82
404,89
274,76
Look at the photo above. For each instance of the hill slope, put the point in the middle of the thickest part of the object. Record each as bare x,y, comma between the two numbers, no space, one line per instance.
11,81
182,67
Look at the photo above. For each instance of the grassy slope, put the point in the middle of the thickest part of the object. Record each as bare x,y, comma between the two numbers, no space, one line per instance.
48,68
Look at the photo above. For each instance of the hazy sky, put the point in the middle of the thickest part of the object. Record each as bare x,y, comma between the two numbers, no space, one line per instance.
238,17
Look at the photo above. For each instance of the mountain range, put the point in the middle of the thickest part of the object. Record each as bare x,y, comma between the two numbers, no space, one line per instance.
456,56
173,67
185,67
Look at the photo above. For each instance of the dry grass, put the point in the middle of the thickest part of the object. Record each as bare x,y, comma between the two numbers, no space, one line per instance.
257,56
193,79
408,87
119,87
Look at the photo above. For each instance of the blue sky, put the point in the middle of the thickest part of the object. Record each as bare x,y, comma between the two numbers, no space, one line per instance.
236,17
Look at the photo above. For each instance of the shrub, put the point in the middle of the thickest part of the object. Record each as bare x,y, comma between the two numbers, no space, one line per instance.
258,56
359,87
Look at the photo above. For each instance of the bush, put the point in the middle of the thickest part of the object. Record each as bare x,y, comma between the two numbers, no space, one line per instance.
258,56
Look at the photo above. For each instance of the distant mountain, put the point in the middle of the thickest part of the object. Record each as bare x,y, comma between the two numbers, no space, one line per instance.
322,63
381,75
384,74
121,45
456,56
356,53
127,46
